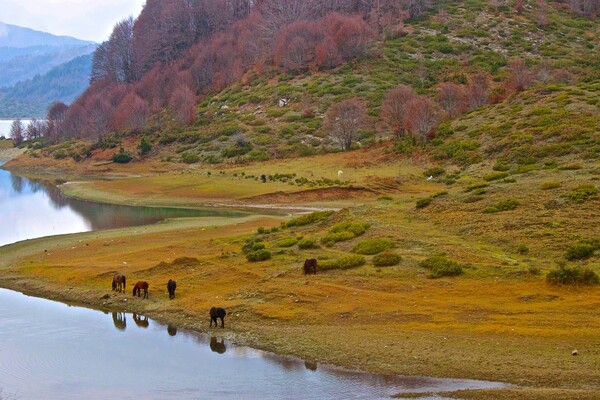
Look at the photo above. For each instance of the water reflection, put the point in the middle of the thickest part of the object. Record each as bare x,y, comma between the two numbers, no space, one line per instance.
217,345
119,320
34,209
310,365
140,320
171,330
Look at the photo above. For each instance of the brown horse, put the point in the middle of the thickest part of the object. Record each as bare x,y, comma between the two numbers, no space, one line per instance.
310,266
119,282
171,286
139,286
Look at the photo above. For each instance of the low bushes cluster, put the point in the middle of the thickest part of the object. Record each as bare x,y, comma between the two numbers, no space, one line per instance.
550,185
308,218
346,262
344,231
441,266
373,246
308,244
583,249
122,156
564,275
287,242
386,259
582,193
504,205
256,251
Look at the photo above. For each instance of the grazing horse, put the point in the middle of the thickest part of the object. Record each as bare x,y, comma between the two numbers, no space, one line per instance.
310,266
171,286
217,313
118,283
217,345
139,286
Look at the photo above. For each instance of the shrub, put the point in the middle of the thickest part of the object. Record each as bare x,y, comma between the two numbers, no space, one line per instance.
580,251
441,266
258,255
582,193
422,203
287,242
308,244
145,145
522,249
435,171
373,246
386,259
344,231
564,275
122,157
346,262
308,218
550,185
253,245
262,230
493,176
190,158
504,205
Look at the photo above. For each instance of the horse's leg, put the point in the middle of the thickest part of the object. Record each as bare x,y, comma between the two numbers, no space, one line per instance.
222,322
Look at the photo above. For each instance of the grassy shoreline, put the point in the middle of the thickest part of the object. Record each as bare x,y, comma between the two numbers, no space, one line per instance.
498,322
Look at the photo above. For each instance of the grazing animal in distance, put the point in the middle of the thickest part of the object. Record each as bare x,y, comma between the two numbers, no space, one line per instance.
217,345
217,312
118,283
171,286
310,266
139,286
340,174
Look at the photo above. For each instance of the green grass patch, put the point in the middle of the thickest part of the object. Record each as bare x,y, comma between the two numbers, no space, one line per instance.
504,205
308,218
386,259
287,242
346,262
550,185
344,231
306,243
583,193
564,275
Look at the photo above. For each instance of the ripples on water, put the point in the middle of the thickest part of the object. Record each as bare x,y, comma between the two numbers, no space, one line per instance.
49,350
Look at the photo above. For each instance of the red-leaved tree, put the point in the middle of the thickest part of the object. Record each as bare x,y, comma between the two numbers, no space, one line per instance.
394,107
344,120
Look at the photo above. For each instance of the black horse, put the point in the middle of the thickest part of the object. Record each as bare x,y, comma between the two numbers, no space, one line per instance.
217,345
310,266
217,313
171,286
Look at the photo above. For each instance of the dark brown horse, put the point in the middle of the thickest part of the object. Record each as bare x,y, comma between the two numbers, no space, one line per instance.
171,286
217,312
119,282
310,266
139,286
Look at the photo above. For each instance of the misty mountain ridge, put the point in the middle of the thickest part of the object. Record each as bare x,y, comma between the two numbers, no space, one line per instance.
19,37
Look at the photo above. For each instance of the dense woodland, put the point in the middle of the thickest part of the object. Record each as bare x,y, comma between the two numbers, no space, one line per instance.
158,67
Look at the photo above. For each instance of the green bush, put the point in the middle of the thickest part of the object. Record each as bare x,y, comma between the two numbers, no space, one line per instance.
564,275
308,218
346,262
253,245
424,202
190,158
258,255
308,244
504,205
435,171
373,246
122,157
550,185
344,231
582,193
441,266
580,251
494,176
145,145
386,259
287,242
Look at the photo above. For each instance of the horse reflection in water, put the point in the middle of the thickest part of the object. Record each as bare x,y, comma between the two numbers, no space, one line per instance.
141,321
217,345
119,320
310,365
172,330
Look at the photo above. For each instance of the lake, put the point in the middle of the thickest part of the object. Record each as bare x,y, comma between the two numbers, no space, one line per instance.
49,350
32,209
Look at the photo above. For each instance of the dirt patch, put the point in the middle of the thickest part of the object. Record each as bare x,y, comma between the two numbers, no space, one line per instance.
314,195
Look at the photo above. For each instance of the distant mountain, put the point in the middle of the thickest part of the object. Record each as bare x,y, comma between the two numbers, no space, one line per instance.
37,68
18,37
31,98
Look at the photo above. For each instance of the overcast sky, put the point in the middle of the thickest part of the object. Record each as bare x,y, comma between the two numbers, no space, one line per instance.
83,19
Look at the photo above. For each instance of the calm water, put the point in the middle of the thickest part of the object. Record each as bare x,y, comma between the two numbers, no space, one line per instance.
49,350
32,209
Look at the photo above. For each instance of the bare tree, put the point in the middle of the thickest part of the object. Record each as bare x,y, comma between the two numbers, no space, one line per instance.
421,117
478,91
394,107
344,120
17,132
451,97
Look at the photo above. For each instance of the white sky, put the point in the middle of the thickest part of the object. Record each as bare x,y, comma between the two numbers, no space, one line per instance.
83,19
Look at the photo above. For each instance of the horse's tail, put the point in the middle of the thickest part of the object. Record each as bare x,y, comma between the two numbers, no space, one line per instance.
124,282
